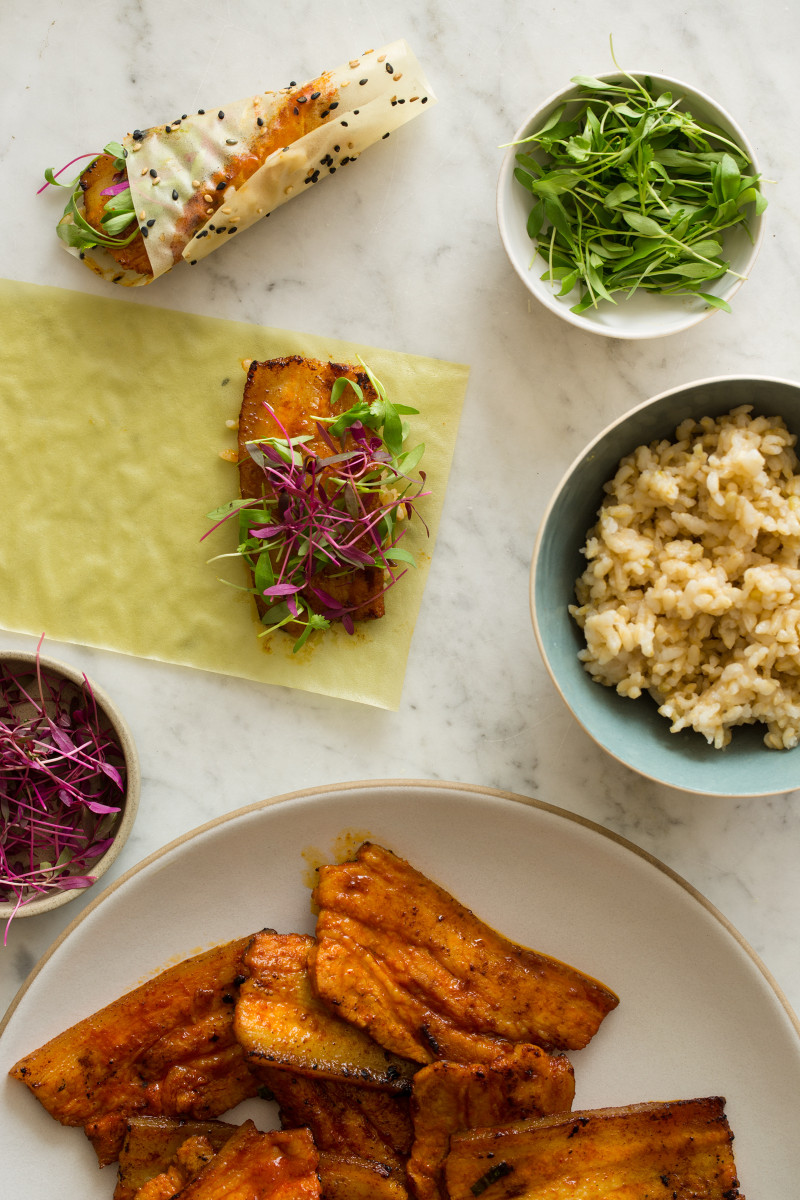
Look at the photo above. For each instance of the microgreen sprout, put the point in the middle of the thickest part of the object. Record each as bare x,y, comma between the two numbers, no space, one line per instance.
62,780
118,210
631,191
322,517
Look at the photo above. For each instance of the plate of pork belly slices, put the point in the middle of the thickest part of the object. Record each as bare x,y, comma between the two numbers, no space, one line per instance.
398,989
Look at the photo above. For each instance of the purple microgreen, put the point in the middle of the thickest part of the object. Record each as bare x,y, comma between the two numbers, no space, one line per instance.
62,772
322,515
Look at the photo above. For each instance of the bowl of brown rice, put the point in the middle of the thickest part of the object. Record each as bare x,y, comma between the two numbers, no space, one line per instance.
665,587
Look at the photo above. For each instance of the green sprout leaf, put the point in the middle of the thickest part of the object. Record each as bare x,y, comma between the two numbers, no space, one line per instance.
630,191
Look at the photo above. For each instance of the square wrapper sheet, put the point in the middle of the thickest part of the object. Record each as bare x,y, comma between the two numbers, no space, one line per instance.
113,419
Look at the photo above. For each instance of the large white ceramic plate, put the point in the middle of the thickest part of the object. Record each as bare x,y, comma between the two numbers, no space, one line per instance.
698,1013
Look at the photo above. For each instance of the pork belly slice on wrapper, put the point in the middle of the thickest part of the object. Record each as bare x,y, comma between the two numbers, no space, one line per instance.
201,180
298,390
427,979
167,1154
678,1150
448,1097
279,1165
165,1049
279,1022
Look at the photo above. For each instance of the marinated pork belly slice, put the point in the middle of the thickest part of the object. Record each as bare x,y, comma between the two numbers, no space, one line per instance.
299,391
345,1118
166,1154
347,1177
279,1021
678,1150
152,1143
448,1097
166,1048
402,959
280,1165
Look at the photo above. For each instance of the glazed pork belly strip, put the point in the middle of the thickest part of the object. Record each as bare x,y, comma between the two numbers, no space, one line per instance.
166,1154
279,1022
165,1049
679,1148
425,977
202,179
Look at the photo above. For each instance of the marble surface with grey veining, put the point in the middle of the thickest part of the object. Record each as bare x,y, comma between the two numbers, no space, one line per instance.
403,251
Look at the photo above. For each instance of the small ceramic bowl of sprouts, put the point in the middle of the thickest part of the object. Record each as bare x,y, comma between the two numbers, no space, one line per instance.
630,204
70,784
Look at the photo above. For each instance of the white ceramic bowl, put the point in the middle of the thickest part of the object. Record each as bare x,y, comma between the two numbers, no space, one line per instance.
644,314
110,717
633,731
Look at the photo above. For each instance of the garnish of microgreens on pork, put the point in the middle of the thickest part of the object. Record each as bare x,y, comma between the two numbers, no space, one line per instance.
322,518
116,212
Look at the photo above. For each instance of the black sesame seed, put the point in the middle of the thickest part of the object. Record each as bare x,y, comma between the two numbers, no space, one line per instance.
116,278
145,231
221,186
383,139
331,170
220,114
137,135
336,149
356,112
201,112
153,173
296,111
424,100
212,227
401,101
390,68
292,83
232,229
259,120
193,262
393,103
315,177
344,123
361,82
151,223
183,116
174,193
82,255
344,160
167,129
203,233
221,229
307,179
334,104
302,99
315,95
324,114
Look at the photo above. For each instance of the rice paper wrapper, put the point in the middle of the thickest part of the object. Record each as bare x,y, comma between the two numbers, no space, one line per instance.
113,417
173,169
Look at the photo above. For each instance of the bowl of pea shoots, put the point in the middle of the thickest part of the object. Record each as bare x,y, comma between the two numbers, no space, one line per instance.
630,204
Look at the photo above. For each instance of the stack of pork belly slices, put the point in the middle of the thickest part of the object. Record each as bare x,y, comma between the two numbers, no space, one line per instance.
412,1051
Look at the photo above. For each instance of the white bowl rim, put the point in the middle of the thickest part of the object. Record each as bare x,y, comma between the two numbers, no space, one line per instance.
122,730
551,302
694,791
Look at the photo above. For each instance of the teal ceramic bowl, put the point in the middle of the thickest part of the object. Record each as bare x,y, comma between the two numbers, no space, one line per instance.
632,730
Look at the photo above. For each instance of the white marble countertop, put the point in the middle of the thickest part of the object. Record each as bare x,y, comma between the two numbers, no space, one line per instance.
403,252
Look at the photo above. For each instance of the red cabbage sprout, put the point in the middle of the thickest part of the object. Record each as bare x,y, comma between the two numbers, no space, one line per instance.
62,782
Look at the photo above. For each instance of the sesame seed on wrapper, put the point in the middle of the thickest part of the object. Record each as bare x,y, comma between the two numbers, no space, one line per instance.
198,156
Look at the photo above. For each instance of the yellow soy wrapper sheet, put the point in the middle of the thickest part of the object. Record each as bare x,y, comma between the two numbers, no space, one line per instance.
112,420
